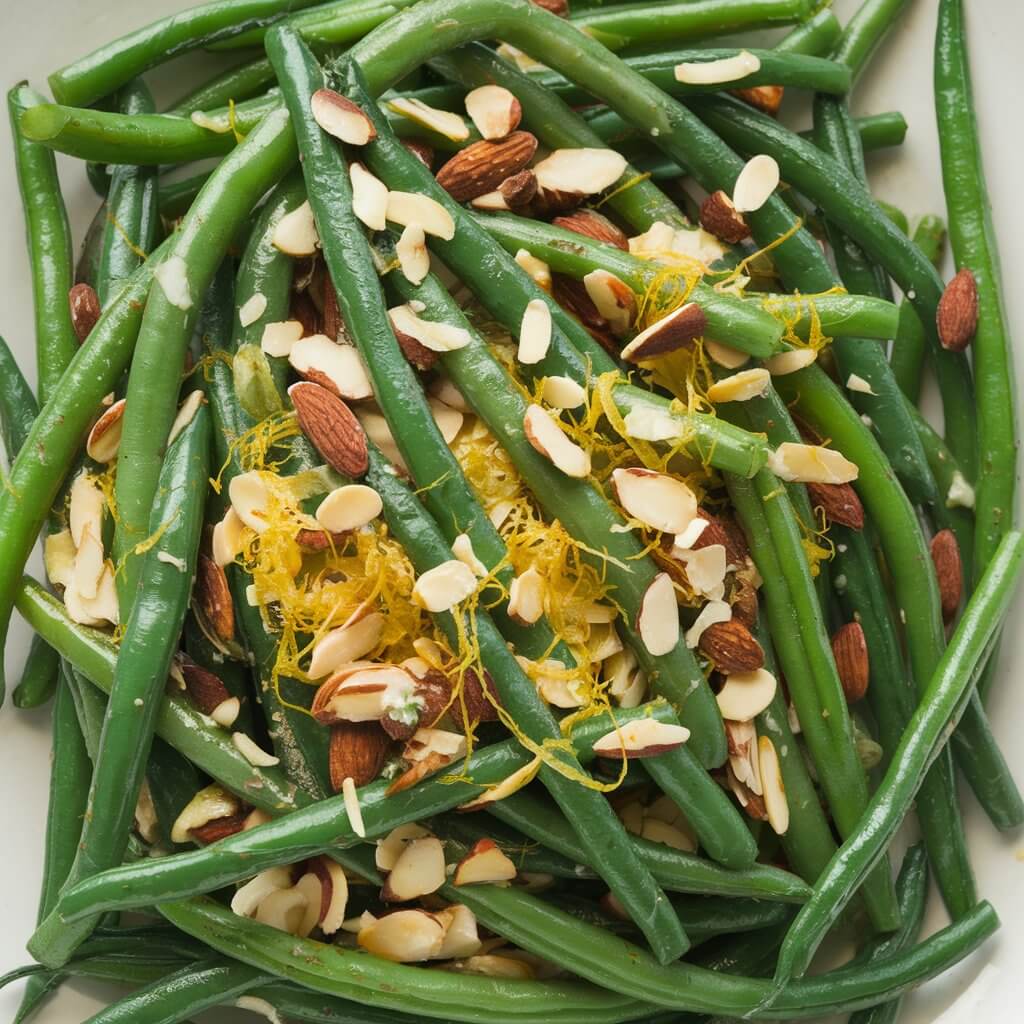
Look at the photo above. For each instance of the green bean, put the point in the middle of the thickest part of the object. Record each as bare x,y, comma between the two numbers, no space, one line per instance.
877,131
240,82
132,216
973,241
18,406
204,743
49,246
193,258
792,69
177,996
865,30
173,781
103,71
907,356
675,870
912,890
177,196
90,706
816,36
39,677
941,704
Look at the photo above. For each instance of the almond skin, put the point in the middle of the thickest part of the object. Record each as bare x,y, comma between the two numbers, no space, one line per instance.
478,707
839,502
745,603
212,598
572,294
481,167
725,531
948,571
219,828
206,690
422,152
415,352
85,309
331,427
559,7
766,98
957,315
720,217
519,190
675,331
731,647
593,225
304,310
850,650
357,751
319,540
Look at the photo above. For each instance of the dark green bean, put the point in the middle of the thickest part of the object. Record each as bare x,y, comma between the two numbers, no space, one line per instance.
865,30
816,36
39,677
18,406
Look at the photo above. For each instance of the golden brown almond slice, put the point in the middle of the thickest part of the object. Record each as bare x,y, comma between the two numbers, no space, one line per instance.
731,647
494,110
671,332
949,572
806,463
850,650
85,309
485,863
331,427
593,225
538,270
766,98
483,166
719,215
340,117
957,315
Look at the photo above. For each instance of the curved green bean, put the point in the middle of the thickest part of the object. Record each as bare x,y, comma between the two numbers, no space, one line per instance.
864,31
39,677
816,36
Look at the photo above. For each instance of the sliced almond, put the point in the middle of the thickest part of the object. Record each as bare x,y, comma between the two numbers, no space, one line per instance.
743,754
460,933
440,589
658,618
526,597
340,117
671,332
445,391
89,563
278,338
613,298
418,871
490,202
186,413
346,644
705,569
352,808
296,233
807,463
227,538
283,909
580,171
740,387
172,276
427,742
485,863
855,382
390,847
659,501
248,897
724,355
714,72
363,694
411,250
790,362
369,197
494,110
252,751
209,804
311,890
378,431
746,694
755,184
249,500
689,537
86,506
545,435
649,423
538,270
444,122
534,332
449,421
225,714
349,507
563,393
252,309
407,208
339,368
646,737
603,641
657,831
775,800
59,557
98,610
432,334
512,784
712,612
406,936
105,436
462,549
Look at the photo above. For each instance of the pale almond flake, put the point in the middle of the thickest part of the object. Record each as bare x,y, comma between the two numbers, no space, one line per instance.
105,436
743,754
658,500
526,597
186,413
494,111
346,644
445,391
413,208
440,589
89,563
432,334
252,309
179,563
462,549
807,463
623,675
390,847
697,244
484,864
684,541
226,712
449,421
426,743
461,937
227,538
342,365
740,387
658,238
711,613
278,338
511,784
172,276
369,197
705,570
547,437
790,362
59,557
411,250
252,751
755,184
348,507
350,796
418,871
259,1006
657,831
960,493
658,618
580,171
775,802
220,124
603,641
85,507
295,233
539,271
209,804
646,737
649,423
746,694
857,383
724,355
444,122
98,610
553,682
563,393
378,431
247,899
534,332
613,298
715,72
490,202
407,936
500,512
519,58
249,498
340,117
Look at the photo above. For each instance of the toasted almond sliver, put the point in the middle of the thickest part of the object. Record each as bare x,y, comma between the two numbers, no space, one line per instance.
790,362
462,549
89,563
105,436
740,387
172,276
252,309
59,557
581,171
526,597
512,784
227,538
492,202
441,588
712,612
660,501
755,184
713,72
646,737
252,752
346,644
295,233
279,337
413,257
186,413
534,332
249,498
563,393
775,801
545,435
658,619
725,355
444,122
342,365
746,694
494,111
390,847
355,813
684,541
449,421
705,569
857,383
432,334
538,270
807,463
340,117
613,298
86,507
369,197
348,508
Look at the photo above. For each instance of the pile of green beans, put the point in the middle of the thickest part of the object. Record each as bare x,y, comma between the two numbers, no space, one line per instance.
690,877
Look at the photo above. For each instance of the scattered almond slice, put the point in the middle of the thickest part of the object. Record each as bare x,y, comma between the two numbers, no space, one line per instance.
449,421
658,238
348,508
89,563
86,507
172,276
441,588
603,641
207,805
659,501
512,784
378,431
59,558
549,676
362,692
494,111
94,611
432,334
534,332
613,298
960,493
279,337
657,831
580,171
462,549
296,233
712,612
705,569
460,933
484,864
249,499
648,423
626,680
790,362
755,184
526,597
658,618
413,257
346,644
740,387
545,435
563,393
391,846
746,694
807,463
445,391
671,332
247,898
684,541
775,801
724,355
714,72
186,414
105,436
340,117
418,871
426,743
227,538
283,909
252,752
646,737
857,383
538,270
339,368
444,122
490,202
406,936
252,309
369,197
355,813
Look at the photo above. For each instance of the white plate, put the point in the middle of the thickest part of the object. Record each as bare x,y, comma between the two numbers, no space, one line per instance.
49,33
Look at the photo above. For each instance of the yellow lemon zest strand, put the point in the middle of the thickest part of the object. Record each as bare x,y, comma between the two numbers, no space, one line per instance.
106,481
119,228
741,269
233,122
669,286
252,449
790,312
635,180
